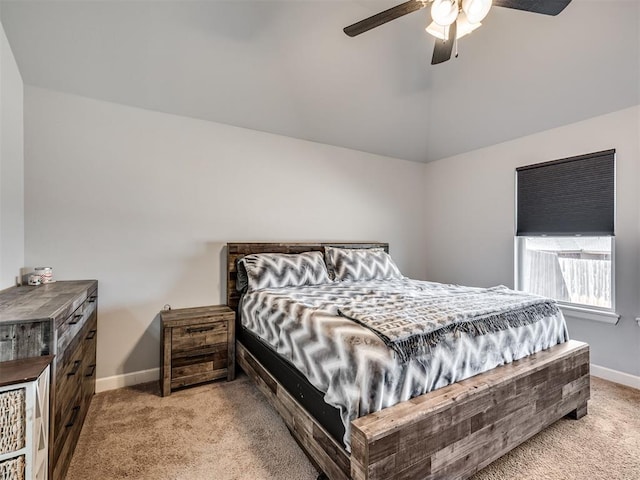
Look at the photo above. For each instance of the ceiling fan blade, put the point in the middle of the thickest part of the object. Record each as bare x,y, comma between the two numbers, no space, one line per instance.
442,48
383,17
546,7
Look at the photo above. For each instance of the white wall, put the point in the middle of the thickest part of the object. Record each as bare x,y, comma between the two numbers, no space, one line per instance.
145,201
11,166
470,221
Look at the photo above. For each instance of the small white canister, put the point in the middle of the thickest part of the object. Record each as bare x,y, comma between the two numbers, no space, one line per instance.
46,274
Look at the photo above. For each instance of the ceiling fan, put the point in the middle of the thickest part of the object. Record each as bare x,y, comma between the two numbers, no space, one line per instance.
453,19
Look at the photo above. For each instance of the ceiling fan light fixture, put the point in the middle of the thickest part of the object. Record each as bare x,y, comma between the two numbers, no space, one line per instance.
444,12
464,28
476,10
438,31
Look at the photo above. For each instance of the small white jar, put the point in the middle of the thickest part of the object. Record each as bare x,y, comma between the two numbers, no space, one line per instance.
46,274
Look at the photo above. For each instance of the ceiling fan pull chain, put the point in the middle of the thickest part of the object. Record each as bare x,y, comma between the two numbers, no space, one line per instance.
455,46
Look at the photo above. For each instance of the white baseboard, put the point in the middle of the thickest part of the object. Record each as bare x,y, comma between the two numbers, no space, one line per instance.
127,379
615,376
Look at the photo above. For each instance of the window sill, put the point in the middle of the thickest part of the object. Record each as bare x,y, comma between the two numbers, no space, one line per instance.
583,313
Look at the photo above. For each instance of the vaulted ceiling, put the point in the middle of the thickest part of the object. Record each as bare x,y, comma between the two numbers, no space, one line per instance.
286,67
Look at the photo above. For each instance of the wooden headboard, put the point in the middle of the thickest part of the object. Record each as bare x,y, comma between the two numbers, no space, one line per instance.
236,251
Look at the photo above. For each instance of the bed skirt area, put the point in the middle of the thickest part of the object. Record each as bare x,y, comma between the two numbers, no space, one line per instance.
296,384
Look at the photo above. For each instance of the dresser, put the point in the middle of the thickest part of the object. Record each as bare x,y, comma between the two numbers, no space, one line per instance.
57,319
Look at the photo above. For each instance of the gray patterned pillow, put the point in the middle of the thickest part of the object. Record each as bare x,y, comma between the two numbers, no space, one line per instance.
360,264
277,270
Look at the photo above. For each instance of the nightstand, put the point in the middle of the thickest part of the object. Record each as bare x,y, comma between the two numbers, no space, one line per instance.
198,345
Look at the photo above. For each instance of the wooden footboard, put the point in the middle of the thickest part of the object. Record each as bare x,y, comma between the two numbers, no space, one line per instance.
449,433
455,431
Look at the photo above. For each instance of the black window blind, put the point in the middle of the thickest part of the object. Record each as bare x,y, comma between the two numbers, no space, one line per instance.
572,196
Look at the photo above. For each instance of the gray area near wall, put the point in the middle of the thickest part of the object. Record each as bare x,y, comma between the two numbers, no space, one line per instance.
11,166
145,202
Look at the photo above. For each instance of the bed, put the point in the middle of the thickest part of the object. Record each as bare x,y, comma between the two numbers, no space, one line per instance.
449,432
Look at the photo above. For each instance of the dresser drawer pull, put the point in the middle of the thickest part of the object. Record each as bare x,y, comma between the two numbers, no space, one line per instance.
76,318
76,367
91,335
74,416
92,299
93,370
200,329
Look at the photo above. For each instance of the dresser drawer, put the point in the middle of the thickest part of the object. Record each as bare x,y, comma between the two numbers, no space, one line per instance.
198,337
70,420
89,370
68,329
68,389
67,437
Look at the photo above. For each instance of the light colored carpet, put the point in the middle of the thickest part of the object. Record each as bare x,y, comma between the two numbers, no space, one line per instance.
228,431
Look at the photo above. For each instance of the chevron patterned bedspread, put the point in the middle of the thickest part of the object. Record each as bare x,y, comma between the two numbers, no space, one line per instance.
411,324
357,372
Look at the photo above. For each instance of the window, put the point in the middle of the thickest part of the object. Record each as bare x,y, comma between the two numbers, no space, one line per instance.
570,269
565,212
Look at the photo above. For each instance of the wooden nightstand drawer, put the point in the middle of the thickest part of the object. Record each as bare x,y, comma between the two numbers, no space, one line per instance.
200,361
198,336
198,345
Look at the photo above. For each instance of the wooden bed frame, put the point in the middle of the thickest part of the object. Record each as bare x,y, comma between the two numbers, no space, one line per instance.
451,432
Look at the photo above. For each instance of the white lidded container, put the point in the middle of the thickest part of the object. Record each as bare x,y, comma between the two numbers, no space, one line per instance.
46,274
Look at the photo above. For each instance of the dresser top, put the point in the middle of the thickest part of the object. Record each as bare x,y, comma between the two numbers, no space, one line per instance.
49,301
24,370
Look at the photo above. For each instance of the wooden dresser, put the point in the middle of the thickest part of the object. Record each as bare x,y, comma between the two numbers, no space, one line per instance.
56,319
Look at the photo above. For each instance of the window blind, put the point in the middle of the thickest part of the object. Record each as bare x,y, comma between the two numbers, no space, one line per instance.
571,196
